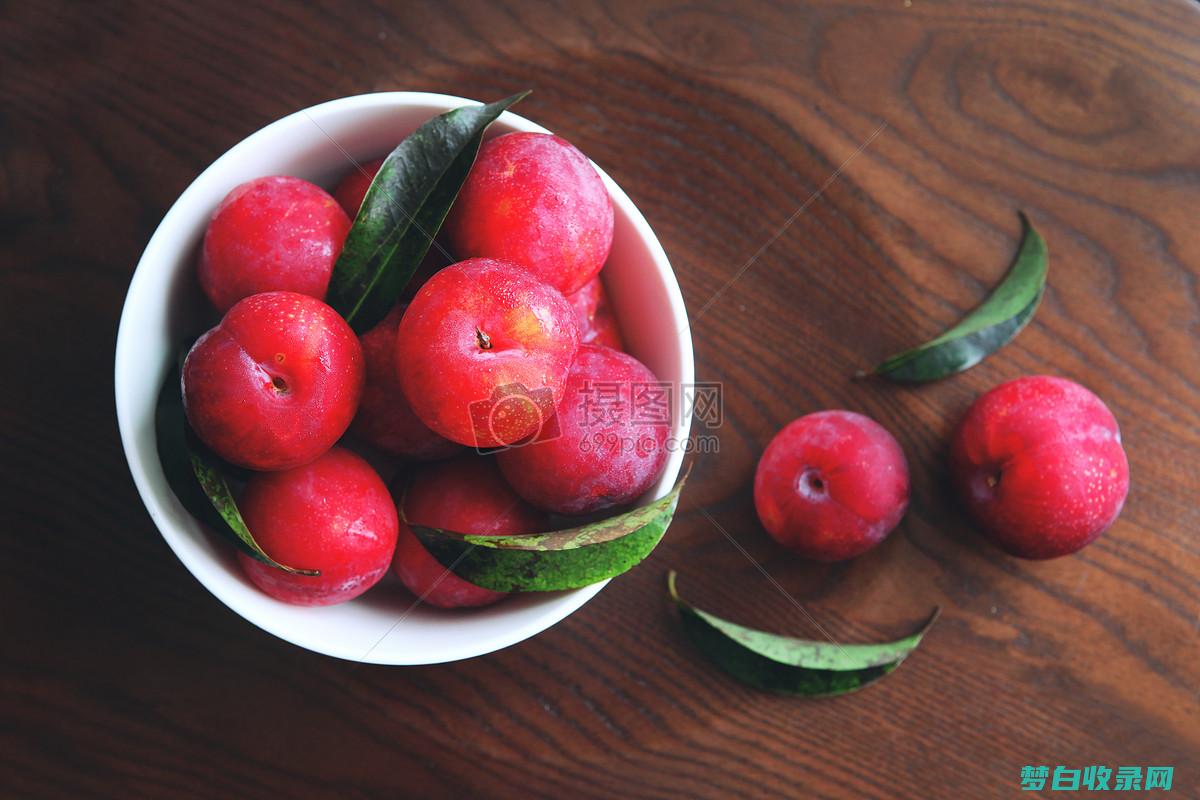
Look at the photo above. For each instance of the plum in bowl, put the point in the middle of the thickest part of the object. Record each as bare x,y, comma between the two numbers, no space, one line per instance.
164,305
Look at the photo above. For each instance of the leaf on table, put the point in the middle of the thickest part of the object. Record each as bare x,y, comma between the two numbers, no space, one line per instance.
403,211
986,329
547,562
791,666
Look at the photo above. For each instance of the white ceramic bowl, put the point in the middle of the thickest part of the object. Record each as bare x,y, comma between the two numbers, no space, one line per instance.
164,304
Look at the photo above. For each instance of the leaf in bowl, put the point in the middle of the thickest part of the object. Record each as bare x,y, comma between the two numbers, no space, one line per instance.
787,665
196,477
993,324
548,562
403,211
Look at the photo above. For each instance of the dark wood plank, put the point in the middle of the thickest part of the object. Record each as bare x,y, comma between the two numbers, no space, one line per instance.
121,676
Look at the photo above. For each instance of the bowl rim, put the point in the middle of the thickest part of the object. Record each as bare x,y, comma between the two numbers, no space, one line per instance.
158,249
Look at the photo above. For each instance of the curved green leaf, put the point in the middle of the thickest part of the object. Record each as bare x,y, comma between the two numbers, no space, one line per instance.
548,562
404,209
195,476
986,329
788,665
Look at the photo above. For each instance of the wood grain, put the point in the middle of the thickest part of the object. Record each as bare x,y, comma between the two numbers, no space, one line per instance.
121,676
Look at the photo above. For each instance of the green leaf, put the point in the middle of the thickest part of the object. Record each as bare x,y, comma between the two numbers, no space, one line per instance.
195,476
404,209
986,329
787,665
548,562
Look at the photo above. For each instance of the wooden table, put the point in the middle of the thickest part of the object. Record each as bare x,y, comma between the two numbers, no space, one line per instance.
123,677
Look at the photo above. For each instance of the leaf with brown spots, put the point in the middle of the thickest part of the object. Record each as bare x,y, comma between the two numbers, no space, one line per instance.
548,562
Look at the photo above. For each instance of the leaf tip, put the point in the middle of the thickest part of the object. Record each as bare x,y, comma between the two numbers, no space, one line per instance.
671,575
933,617
513,99
1028,233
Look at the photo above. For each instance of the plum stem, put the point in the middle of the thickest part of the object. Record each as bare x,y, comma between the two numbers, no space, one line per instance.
811,484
